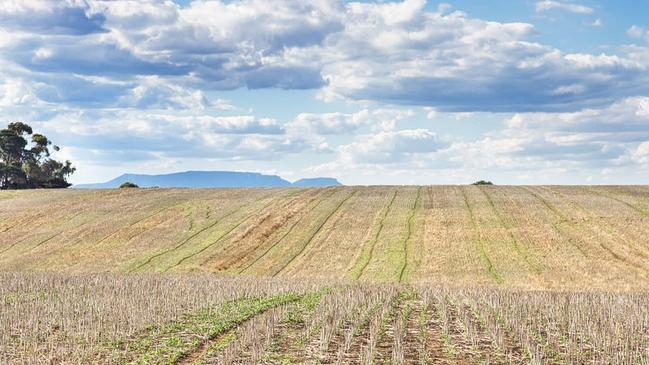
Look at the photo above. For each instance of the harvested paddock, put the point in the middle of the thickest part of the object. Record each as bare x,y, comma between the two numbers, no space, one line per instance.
185,318
344,275
528,237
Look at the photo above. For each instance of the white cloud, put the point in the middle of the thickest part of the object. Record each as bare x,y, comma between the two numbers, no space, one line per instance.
638,32
399,148
14,92
547,5
597,23
590,137
456,63
70,17
641,154
329,123
394,52
247,124
347,123
569,89
530,146
136,80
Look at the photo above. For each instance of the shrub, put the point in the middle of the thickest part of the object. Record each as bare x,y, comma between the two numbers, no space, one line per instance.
128,184
482,182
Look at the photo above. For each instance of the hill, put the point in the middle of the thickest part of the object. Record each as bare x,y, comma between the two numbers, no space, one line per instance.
530,237
317,182
208,179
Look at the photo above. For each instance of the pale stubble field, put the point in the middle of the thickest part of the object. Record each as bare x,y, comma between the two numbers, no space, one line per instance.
346,275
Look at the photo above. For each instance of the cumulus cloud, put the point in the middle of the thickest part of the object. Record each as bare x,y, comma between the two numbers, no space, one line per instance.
165,135
347,123
406,148
547,5
529,146
393,52
638,32
136,79
588,138
68,17
641,154
15,92
597,23
456,63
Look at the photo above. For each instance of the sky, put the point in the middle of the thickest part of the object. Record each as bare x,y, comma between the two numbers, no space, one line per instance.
369,92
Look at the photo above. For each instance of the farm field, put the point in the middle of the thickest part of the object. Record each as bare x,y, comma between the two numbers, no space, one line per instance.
529,237
344,275
206,319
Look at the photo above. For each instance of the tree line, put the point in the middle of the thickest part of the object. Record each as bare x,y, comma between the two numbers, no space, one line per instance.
25,161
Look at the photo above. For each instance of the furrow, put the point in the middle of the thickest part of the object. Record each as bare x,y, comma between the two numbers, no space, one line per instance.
613,254
520,250
283,236
315,233
480,242
409,234
375,239
225,234
559,214
190,237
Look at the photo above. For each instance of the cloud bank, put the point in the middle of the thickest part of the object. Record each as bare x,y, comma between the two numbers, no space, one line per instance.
134,80
399,53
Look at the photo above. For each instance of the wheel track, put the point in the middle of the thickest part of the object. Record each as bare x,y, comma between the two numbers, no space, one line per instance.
610,229
202,352
520,250
563,218
376,237
612,197
324,222
266,232
480,242
43,241
613,254
283,236
559,214
149,216
409,234
190,237
225,234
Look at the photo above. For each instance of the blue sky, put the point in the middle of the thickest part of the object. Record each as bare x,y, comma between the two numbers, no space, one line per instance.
403,92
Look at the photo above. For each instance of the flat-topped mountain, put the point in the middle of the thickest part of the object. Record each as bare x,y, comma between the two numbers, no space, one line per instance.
209,179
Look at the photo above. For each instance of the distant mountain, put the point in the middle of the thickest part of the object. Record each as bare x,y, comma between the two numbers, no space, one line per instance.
317,181
208,179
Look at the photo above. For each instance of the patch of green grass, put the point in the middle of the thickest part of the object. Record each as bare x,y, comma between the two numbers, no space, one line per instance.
479,242
14,298
520,250
170,343
368,249
303,308
408,236
223,342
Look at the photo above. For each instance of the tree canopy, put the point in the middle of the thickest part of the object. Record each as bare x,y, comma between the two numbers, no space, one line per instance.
128,184
25,161
482,182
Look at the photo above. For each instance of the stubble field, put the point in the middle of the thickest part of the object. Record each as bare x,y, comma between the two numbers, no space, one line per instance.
346,275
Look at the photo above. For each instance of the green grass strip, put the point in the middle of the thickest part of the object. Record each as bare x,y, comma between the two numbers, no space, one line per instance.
315,233
170,343
365,258
520,250
409,234
480,242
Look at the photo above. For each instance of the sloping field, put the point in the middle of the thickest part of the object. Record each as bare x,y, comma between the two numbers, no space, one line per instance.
518,236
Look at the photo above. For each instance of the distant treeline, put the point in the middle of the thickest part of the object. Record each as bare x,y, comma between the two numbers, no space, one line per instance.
25,161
